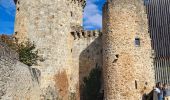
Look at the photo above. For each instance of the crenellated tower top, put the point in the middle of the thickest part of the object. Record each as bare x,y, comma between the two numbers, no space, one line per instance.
86,34
78,33
79,2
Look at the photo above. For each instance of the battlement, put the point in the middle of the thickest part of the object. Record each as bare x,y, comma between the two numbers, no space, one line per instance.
86,34
125,2
79,2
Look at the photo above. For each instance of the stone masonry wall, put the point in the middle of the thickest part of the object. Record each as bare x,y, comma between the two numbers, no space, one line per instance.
48,23
17,81
86,53
127,58
70,53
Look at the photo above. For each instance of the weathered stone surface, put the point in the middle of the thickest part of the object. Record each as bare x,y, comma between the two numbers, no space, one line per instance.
17,81
70,53
128,68
49,24
86,54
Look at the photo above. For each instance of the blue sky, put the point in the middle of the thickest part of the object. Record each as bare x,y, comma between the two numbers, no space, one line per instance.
92,15
7,16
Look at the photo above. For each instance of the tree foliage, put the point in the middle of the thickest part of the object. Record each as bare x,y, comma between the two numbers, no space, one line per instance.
92,85
27,53
26,50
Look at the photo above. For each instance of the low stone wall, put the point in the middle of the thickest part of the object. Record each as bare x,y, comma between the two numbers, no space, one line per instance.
17,81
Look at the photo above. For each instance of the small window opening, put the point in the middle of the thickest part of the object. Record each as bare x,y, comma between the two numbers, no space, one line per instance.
136,85
94,34
101,51
117,56
17,9
137,41
71,14
89,35
72,33
78,34
16,33
83,34
71,50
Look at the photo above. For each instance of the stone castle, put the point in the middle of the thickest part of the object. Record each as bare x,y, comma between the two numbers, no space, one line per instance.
122,49
127,53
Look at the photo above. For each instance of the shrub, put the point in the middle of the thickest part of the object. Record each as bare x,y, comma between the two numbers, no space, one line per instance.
27,53
92,85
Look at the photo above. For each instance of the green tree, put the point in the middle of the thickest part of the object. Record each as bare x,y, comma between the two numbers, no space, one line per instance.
26,50
27,53
92,85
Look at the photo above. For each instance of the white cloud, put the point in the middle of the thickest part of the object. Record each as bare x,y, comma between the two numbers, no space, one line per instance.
92,15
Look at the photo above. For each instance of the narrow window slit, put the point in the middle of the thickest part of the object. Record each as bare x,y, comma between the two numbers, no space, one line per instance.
137,41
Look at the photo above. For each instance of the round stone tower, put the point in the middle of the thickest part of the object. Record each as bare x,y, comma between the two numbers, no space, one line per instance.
49,24
127,55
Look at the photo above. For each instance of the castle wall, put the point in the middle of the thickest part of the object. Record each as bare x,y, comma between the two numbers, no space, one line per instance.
17,81
69,53
127,61
48,23
86,54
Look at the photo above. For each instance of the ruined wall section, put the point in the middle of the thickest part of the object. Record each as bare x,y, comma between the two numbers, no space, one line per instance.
86,51
127,60
48,23
17,81
86,54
